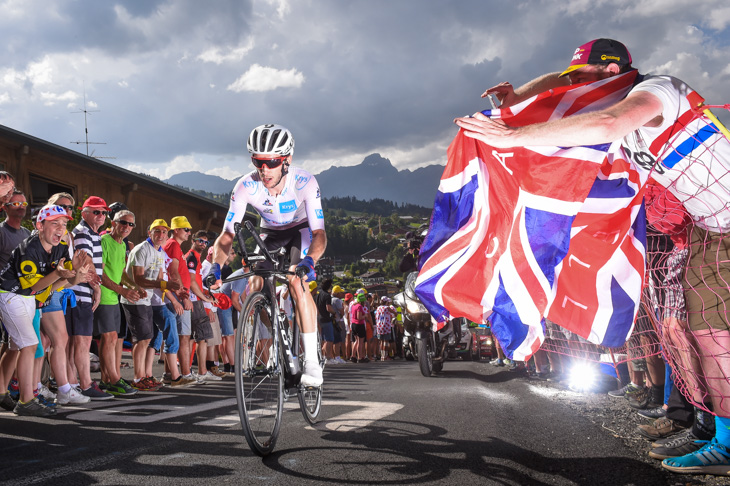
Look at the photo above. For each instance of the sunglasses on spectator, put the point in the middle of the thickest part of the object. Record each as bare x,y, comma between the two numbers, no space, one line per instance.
96,212
126,223
67,207
270,163
187,230
202,241
17,204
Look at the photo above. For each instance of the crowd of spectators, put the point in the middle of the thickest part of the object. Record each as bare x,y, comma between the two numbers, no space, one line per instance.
62,287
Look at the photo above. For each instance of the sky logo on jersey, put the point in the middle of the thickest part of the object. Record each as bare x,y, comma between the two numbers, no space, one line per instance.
251,186
229,216
300,181
287,207
319,213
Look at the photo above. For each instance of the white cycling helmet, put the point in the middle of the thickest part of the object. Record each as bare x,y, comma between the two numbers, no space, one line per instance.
270,139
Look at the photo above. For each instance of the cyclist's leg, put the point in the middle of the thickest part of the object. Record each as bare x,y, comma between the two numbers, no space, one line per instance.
306,311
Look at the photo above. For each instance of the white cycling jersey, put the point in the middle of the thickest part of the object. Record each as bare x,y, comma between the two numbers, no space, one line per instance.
298,202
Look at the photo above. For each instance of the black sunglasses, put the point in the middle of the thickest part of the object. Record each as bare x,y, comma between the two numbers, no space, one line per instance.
67,207
126,223
187,230
96,212
202,241
270,163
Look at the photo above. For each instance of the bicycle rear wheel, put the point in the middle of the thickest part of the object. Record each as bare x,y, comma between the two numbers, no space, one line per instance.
310,398
259,376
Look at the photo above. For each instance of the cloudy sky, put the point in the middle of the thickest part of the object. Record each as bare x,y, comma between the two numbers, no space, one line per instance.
177,85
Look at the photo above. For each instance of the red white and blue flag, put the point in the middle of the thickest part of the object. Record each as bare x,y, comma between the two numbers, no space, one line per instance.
524,233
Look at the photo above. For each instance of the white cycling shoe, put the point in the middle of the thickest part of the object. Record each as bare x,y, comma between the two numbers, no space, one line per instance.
312,375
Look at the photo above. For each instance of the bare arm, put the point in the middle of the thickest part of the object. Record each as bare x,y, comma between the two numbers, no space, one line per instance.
509,96
319,244
613,123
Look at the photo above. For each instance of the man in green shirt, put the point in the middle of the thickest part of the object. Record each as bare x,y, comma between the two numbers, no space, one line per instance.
107,317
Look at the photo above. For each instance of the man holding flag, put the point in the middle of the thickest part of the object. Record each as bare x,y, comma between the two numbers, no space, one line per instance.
548,210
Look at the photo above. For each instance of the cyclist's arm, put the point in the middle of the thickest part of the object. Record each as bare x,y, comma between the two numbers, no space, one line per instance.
319,244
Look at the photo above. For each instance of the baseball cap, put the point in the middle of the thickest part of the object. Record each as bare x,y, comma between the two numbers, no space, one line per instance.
159,222
312,285
348,297
180,222
337,289
361,291
95,202
599,51
384,299
51,212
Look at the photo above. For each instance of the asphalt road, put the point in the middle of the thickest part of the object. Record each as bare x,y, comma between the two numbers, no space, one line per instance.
381,423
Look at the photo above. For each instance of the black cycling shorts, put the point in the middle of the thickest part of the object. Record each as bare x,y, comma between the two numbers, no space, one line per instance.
296,240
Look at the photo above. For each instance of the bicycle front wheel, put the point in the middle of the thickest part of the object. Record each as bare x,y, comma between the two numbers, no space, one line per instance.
259,376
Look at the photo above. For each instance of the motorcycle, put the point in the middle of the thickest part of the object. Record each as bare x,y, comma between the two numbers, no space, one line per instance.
424,339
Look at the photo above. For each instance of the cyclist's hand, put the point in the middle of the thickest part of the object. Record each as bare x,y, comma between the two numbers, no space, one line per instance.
306,268
213,279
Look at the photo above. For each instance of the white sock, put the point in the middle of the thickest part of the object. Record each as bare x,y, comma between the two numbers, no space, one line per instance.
39,386
309,339
64,388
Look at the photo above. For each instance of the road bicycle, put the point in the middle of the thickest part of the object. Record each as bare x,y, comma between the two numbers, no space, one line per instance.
268,355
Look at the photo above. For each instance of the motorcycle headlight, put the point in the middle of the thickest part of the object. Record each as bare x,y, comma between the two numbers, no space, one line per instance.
415,307
489,342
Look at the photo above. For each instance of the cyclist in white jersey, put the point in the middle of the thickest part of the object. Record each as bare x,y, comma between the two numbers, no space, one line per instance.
288,200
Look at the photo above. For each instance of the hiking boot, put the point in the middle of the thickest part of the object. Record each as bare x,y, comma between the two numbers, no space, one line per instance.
680,445
653,413
121,389
217,371
621,392
182,381
95,393
7,402
73,396
662,427
33,408
712,458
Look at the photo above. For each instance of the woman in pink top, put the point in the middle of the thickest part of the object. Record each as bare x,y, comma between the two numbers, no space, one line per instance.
358,316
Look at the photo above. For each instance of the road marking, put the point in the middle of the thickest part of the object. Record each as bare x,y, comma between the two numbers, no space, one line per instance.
123,414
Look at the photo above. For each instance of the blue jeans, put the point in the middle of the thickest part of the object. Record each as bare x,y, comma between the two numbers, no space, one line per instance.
225,317
166,321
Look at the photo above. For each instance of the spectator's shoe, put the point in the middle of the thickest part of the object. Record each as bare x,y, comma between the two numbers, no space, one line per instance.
662,427
7,402
46,393
217,371
182,381
166,379
712,458
497,362
33,408
143,385
207,377
192,377
14,389
653,413
312,375
121,389
642,400
621,392
95,393
73,397
154,382
353,359
331,361
364,360
680,444
340,360
44,401
517,368
663,441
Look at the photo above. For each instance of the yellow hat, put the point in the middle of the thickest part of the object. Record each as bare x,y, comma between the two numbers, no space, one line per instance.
159,222
312,285
337,289
180,222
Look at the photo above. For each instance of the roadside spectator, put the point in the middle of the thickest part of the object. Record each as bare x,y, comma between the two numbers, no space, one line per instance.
35,269
323,300
349,339
358,318
107,316
384,316
80,319
199,321
178,272
339,306
216,343
236,291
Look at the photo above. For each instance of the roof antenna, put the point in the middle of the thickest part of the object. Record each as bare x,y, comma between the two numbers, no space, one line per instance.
86,131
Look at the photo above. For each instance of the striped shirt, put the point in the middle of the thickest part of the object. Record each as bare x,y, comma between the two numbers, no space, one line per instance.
88,240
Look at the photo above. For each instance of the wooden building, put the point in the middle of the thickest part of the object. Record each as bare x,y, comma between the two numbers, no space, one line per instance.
42,169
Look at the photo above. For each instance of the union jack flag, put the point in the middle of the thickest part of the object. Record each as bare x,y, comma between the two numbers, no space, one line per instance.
523,233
